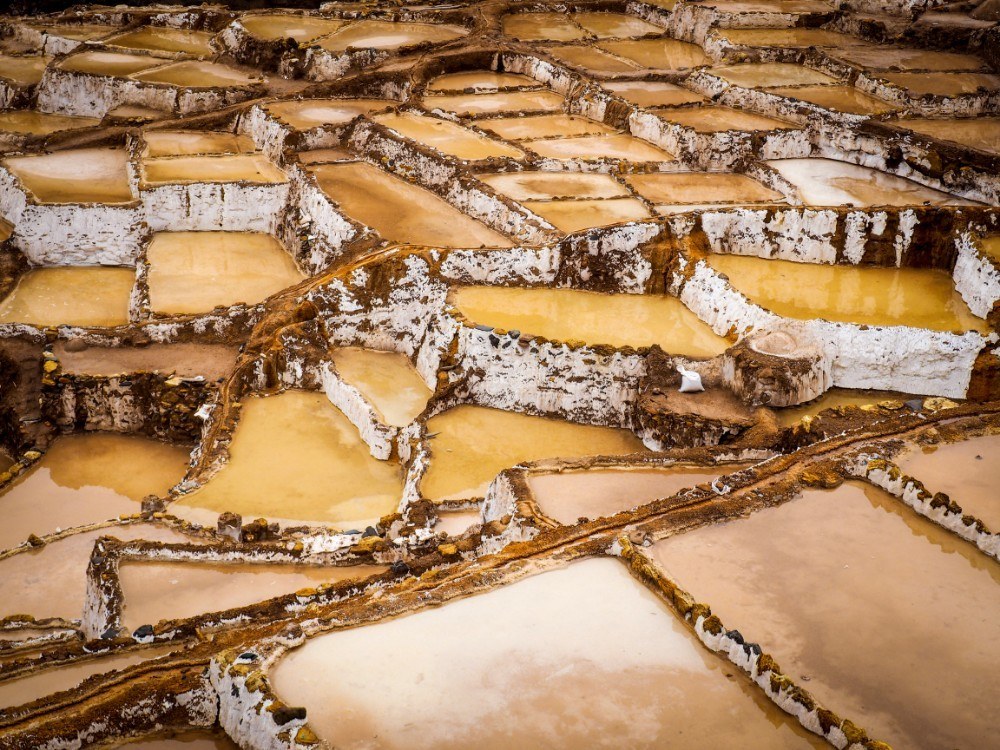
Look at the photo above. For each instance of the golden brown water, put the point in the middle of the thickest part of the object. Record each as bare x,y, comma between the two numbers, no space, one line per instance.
867,600
592,59
865,295
833,398
701,187
400,211
109,63
599,493
544,126
137,112
572,216
573,654
325,156
80,175
825,182
507,101
772,6
53,680
157,591
388,35
166,39
51,581
967,471
197,74
479,80
78,31
614,25
82,296
567,314
311,113
190,142
25,70
41,123
653,93
547,185
591,147
288,26
908,58
184,741
755,75
659,54
982,133
211,361
387,379
88,478
990,246
712,119
181,170
533,27
943,84
838,98
791,37
295,456
472,444
447,137
193,272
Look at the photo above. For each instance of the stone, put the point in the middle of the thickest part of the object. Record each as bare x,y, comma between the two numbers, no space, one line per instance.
230,525
286,714
782,366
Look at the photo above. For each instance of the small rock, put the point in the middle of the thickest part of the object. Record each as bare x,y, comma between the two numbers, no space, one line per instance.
143,631
286,714
306,737
938,403
153,504
369,544
369,531
230,525
915,404
638,537
400,568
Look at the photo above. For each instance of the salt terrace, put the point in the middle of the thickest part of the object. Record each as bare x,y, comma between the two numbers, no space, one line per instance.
348,364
